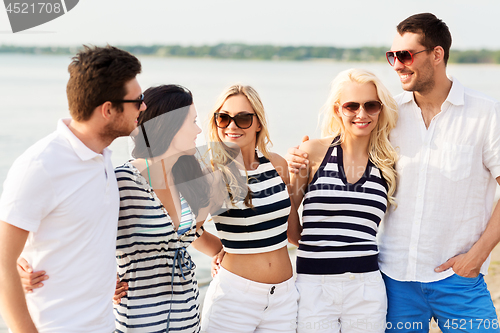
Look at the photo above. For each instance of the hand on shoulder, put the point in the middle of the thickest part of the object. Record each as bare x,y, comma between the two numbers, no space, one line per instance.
296,158
308,146
316,148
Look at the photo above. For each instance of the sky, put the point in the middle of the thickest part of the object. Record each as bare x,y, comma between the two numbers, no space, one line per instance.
474,24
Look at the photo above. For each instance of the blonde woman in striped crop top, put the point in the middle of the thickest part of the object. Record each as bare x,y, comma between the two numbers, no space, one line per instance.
254,288
345,191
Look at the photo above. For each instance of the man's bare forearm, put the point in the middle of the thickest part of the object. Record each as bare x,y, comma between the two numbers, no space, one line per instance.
12,301
490,237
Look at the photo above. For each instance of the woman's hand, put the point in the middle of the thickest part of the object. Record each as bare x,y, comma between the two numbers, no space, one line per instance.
29,279
296,158
216,260
120,291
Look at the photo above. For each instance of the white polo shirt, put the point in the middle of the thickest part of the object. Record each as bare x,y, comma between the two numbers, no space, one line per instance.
446,184
66,195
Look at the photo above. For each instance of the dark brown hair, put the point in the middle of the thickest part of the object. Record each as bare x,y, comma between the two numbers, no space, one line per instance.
97,75
161,100
153,142
433,31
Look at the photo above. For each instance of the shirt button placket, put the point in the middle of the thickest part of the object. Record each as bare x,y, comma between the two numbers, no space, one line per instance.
419,204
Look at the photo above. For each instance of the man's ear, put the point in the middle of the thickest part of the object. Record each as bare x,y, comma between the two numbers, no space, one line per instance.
106,110
438,54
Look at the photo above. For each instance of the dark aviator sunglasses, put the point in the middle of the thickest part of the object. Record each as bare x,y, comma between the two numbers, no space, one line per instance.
351,109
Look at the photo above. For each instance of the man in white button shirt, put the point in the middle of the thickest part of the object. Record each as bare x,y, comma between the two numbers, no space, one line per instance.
60,203
435,246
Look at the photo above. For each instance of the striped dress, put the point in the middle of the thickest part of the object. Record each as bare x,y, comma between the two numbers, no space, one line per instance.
340,220
159,294
261,228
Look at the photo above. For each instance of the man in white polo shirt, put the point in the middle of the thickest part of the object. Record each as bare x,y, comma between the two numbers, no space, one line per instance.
60,203
435,246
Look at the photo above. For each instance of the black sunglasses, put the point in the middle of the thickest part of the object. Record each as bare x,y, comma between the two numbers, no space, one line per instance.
351,109
139,101
405,57
242,120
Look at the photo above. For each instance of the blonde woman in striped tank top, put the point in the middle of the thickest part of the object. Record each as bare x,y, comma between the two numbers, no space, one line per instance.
254,290
345,191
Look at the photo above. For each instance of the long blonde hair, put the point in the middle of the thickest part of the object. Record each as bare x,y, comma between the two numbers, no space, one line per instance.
380,150
222,155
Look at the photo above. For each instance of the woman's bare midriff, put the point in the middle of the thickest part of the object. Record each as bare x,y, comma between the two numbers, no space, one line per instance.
268,267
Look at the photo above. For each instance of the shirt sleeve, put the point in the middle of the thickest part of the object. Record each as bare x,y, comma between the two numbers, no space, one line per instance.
491,148
28,194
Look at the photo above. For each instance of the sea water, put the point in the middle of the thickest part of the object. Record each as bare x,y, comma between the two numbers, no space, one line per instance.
33,98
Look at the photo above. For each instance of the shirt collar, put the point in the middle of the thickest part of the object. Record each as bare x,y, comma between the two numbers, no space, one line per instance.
455,96
407,97
83,152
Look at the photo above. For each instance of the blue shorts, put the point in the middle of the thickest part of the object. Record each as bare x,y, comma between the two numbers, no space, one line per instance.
457,304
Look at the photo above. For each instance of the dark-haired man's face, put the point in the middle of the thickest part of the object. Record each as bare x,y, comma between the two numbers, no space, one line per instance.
123,123
418,76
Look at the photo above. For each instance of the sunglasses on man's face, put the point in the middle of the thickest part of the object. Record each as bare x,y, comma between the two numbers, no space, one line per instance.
139,101
242,120
405,57
351,109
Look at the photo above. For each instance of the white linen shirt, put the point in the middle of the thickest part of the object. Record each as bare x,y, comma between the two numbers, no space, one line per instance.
66,195
446,184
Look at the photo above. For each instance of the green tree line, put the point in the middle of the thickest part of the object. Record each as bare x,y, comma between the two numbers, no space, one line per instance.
266,52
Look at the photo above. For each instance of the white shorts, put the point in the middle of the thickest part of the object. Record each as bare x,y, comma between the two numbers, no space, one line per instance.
350,302
235,304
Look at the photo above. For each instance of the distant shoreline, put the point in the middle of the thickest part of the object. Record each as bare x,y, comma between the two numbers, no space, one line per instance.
264,52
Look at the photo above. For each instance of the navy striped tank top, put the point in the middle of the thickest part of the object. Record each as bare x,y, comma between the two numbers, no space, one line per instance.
340,220
261,228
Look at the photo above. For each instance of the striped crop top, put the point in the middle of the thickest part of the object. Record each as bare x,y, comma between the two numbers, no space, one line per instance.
340,220
262,228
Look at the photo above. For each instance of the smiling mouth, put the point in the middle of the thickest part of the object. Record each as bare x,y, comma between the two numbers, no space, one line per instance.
233,136
361,125
405,76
